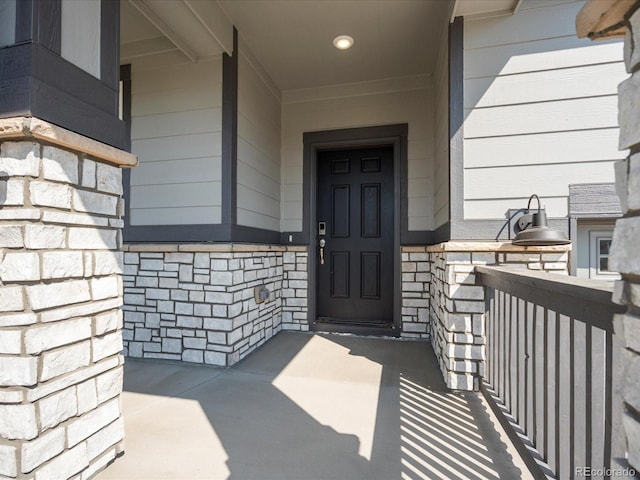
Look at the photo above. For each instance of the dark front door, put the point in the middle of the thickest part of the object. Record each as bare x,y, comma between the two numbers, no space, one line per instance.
355,208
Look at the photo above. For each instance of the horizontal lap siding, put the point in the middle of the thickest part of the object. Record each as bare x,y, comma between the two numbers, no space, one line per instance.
414,107
540,109
258,148
176,131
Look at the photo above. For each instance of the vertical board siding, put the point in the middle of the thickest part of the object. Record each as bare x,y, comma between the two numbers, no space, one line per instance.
80,40
540,109
7,22
176,125
441,134
414,107
258,148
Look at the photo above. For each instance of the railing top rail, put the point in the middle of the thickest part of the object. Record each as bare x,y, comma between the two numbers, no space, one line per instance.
583,299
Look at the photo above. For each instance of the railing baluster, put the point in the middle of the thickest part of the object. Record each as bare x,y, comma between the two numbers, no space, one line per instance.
564,397
513,381
579,382
608,399
503,347
544,393
499,331
555,393
572,403
530,383
522,361
491,332
588,394
598,395
549,360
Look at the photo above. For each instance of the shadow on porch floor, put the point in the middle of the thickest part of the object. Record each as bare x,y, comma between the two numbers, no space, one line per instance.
310,407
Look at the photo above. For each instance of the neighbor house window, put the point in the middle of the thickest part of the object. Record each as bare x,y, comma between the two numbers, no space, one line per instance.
600,245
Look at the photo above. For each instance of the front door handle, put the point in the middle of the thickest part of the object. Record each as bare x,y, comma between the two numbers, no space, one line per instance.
322,244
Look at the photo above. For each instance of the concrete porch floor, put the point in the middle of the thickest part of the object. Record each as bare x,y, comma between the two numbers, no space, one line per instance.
310,407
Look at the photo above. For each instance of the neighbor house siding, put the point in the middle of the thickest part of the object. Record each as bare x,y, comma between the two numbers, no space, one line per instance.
540,109
441,134
258,146
176,134
405,100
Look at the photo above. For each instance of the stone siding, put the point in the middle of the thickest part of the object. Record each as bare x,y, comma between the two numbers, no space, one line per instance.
625,249
416,280
60,318
196,303
451,308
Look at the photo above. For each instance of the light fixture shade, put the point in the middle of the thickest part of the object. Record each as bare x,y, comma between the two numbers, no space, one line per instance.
541,236
539,233
343,42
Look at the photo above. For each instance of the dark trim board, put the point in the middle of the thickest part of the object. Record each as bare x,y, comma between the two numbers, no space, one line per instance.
24,21
442,233
205,233
417,237
391,135
297,238
230,134
125,78
48,21
110,43
35,80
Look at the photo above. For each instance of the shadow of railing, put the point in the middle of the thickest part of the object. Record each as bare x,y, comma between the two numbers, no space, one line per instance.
312,407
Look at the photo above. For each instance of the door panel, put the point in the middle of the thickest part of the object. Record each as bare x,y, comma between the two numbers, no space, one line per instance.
355,199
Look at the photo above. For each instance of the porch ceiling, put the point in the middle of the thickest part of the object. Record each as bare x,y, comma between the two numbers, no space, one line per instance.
292,39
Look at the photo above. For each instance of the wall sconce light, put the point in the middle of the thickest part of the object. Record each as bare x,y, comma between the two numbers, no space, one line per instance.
534,229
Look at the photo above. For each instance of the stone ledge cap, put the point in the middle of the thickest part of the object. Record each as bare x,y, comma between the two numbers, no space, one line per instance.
209,247
491,247
32,127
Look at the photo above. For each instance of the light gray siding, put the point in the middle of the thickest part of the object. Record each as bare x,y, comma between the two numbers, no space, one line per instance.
540,109
176,110
7,22
441,134
258,146
80,40
401,100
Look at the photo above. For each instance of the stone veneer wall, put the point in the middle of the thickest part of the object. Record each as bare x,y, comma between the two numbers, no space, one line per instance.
60,298
195,302
451,308
625,249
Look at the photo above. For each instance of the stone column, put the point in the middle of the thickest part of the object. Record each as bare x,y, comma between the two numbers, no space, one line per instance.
625,249
60,299
441,301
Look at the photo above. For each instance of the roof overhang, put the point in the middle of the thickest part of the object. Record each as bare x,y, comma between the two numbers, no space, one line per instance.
478,9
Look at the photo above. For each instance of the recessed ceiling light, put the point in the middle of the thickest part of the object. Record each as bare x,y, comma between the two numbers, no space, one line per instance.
343,42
